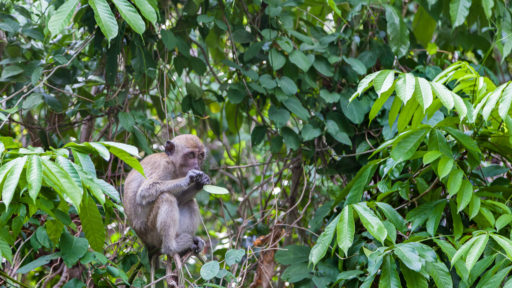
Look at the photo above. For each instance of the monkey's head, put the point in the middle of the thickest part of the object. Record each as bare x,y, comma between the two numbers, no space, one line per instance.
186,152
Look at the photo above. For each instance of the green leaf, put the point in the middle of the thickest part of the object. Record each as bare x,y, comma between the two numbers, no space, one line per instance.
278,115
324,240
11,179
234,256
345,229
413,279
293,104
503,221
209,270
125,156
72,248
506,99
409,256
11,70
92,223
383,82
371,222
423,26
291,139
31,266
445,166
431,156
68,167
459,10
407,144
34,175
130,15
423,93
463,139
405,86
309,132
329,97
337,133
487,7
323,67
464,195
496,279
476,250
454,182
66,184
393,216
293,254
5,251
297,272
505,243
212,189
389,276
356,65
287,85
302,61
355,188
491,102
440,273
62,17
146,10
276,59
364,84
474,206
397,32
443,94
104,18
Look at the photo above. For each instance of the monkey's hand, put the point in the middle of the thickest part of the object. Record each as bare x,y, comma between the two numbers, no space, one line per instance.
198,245
198,177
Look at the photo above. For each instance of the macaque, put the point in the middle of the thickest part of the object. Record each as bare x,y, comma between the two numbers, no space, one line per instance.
161,208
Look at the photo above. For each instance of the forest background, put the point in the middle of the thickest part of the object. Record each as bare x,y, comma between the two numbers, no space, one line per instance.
364,143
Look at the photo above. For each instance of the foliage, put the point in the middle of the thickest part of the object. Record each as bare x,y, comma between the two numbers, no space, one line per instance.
399,177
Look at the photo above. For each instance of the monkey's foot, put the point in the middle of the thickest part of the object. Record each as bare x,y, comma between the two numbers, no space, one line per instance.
198,245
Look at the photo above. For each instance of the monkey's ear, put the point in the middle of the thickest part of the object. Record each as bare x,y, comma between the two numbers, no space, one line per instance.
169,147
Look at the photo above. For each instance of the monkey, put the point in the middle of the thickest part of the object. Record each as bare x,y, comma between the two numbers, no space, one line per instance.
161,208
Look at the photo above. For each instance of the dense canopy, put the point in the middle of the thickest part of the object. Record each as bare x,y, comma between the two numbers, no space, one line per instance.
363,143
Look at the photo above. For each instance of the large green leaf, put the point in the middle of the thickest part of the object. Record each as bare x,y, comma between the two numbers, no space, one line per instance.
345,229
302,61
276,59
413,279
146,10
423,26
371,222
423,93
505,102
476,250
355,188
407,144
464,195
405,86
397,31
62,17
130,15
454,182
440,274
409,256
443,94
34,173
389,276
323,242
66,184
459,10
496,279
11,179
72,248
5,250
92,223
104,18
364,84
295,106
505,243
393,216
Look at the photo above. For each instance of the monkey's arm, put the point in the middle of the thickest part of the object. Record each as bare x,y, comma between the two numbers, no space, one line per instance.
151,189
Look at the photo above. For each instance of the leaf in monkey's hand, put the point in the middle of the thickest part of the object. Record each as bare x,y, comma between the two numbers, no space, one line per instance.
212,189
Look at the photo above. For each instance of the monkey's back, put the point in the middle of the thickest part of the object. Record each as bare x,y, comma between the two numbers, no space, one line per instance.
155,167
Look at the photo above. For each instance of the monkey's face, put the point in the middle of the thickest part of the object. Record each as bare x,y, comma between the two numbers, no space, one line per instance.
191,159
186,152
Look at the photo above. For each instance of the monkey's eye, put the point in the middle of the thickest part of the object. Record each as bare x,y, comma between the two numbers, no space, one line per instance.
201,156
191,155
